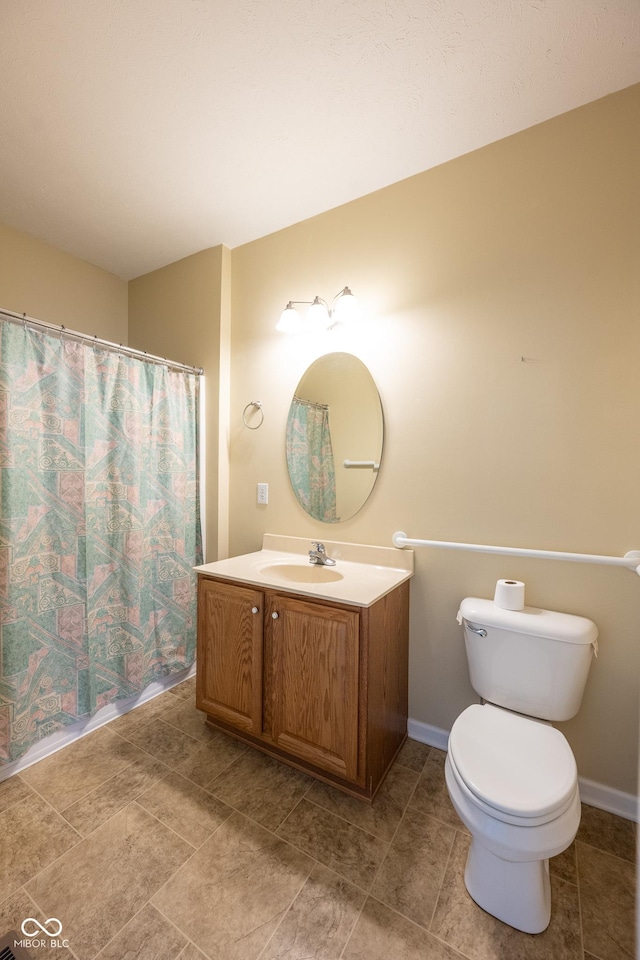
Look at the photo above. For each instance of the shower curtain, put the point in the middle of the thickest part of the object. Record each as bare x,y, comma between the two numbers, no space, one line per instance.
310,458
99,529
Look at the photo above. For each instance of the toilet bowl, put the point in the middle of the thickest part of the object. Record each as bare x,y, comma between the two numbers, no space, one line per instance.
513,782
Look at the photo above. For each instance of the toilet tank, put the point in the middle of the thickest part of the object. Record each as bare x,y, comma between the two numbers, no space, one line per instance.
533,661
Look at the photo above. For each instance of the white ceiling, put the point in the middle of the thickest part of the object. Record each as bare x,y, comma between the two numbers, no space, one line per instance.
136,132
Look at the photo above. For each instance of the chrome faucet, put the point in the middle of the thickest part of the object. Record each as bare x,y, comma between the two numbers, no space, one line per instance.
319,555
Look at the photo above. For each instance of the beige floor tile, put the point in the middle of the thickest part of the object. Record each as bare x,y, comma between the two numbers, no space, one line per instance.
185,690
381,934
80,767
166,743
13,790
224,748
461,923
198,761
413,755
341,846
412,872
381,817
607,832
319,920
191,952
564,865
607,897
134,719
183,714
185,807
87,814
261,787
32,835
234,891
147,936
99,885
14,909
431,796
206,761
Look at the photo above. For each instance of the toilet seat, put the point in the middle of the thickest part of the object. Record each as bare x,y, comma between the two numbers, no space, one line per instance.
518,770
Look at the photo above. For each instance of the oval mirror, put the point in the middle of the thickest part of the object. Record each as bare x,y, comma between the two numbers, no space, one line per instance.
334,437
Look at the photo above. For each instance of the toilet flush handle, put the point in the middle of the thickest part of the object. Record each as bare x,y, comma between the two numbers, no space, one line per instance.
478,630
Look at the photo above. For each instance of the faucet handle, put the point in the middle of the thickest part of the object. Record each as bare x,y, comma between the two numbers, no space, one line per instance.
318,546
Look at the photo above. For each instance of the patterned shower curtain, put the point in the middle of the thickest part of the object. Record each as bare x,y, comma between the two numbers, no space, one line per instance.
99,530
310,459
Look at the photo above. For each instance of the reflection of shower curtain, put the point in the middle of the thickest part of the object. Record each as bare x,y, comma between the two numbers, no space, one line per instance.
310,458
99,530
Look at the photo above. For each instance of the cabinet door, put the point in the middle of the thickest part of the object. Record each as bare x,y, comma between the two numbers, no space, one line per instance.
314,680
229,671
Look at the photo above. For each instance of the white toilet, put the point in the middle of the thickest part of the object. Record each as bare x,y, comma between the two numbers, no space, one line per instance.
511,776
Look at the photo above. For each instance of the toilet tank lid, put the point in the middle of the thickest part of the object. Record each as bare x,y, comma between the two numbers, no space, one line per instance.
533,621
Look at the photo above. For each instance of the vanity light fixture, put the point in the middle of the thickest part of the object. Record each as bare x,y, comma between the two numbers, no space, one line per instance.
320,316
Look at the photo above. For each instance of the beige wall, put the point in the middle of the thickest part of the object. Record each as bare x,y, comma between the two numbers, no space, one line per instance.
50,285
181,312
502,330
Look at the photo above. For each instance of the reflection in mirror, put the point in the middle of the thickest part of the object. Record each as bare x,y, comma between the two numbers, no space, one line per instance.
334,437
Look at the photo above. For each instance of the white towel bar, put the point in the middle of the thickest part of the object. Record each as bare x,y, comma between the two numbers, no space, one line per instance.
631,560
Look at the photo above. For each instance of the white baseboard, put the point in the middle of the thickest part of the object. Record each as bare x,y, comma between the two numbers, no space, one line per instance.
607,798
62,738
426,733
595,794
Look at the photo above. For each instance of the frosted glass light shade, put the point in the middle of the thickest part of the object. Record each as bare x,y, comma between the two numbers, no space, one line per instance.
318,315
346,308
290,320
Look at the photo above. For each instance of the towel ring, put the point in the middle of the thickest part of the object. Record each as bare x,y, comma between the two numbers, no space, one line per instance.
258,405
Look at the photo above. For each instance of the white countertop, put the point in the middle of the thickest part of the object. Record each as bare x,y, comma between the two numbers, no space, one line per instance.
361,576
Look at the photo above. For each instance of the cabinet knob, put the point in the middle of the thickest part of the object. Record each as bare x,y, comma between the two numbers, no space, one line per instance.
274,616
255,609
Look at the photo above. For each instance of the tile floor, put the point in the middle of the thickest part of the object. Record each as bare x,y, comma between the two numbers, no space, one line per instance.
158,838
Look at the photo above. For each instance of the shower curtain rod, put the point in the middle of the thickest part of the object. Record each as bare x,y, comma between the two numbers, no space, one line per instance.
62,331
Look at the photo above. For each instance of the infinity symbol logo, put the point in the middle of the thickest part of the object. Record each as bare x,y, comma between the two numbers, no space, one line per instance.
44,927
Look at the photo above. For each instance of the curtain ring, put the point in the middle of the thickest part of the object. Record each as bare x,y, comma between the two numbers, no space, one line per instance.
258,405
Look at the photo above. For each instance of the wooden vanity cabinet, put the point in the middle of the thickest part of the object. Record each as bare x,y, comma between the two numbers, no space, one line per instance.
321,686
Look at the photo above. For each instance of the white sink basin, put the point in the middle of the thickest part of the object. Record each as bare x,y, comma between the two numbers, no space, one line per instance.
362,574
301,572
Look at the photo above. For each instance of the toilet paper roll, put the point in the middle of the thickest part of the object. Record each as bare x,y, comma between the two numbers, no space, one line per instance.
509,594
